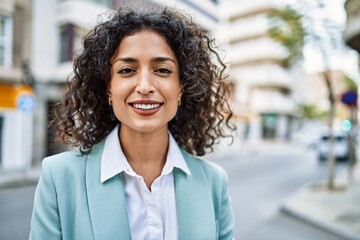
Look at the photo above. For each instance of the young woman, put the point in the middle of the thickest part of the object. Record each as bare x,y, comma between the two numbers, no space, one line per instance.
144,99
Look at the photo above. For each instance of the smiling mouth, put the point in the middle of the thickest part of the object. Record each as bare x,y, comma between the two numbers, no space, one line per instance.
146,107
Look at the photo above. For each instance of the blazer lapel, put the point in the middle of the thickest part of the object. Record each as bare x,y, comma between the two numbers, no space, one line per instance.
195,209
107,204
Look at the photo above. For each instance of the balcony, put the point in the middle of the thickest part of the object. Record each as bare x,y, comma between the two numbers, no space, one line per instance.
248,8
266,75
263,101
257,50
246,28
80,13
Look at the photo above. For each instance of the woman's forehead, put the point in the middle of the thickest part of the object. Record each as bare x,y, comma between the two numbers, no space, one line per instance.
144,42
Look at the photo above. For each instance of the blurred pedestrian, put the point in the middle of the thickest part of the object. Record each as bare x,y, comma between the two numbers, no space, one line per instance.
145,98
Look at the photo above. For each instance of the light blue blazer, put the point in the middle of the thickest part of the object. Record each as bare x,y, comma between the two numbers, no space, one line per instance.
72,204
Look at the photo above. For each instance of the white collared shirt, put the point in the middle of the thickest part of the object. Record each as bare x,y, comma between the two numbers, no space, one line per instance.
152,214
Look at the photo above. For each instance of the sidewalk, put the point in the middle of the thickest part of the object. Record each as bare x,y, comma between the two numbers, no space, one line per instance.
9,179
335,211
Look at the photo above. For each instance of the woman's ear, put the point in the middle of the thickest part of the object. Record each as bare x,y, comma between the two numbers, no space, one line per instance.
109,95
180,95
181,91
108,91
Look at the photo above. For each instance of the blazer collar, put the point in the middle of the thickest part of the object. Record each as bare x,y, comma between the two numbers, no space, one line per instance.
107,204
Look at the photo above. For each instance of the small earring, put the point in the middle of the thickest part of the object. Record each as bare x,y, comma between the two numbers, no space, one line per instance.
112,115
179,101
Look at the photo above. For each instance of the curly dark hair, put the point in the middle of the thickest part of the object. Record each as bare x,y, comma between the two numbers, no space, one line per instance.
83,118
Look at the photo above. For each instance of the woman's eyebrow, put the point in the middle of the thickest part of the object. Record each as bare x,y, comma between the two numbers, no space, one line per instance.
155,59
163,59
126,59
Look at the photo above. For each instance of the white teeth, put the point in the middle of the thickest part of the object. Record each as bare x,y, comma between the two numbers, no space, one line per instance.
146,106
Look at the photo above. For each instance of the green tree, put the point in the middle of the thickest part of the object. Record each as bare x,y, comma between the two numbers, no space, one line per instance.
287,29
350,83
310,111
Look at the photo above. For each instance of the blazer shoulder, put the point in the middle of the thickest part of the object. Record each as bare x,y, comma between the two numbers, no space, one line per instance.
211,169
64,161
63,157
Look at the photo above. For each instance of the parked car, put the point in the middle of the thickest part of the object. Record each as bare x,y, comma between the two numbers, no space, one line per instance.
341,145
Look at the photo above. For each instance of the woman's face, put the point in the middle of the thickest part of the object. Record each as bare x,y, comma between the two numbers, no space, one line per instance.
144,87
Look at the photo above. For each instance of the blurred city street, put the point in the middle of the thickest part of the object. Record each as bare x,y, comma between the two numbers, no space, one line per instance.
262,175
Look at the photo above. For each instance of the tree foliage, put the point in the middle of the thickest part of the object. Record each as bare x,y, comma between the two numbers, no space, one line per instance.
350,83
287,29
311,111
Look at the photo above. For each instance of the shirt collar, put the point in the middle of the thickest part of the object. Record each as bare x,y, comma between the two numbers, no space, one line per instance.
113,160
174,158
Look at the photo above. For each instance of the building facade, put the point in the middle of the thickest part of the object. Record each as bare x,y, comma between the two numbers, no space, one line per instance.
17,101
263,87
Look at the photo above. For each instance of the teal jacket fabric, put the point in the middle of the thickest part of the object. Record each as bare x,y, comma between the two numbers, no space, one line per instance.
72,204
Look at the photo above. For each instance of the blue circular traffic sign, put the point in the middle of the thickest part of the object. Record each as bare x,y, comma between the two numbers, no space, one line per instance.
26,102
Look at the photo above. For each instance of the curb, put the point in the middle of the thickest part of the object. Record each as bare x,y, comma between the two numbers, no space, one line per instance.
333,228
304,205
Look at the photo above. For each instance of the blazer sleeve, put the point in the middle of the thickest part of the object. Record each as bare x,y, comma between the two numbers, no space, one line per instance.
45,221
226,218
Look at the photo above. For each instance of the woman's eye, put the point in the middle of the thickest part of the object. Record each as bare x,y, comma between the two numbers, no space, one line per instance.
163,71
126,71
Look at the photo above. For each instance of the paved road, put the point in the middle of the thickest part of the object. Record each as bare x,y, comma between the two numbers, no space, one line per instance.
15,212
261,177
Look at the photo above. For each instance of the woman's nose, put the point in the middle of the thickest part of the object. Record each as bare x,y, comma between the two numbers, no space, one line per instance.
145,83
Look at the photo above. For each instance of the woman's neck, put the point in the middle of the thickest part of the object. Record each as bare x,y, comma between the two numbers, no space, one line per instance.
145,152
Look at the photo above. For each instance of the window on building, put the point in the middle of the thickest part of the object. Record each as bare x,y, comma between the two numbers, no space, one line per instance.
20,44
5,40
269,125
66,42
1,55
70,42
